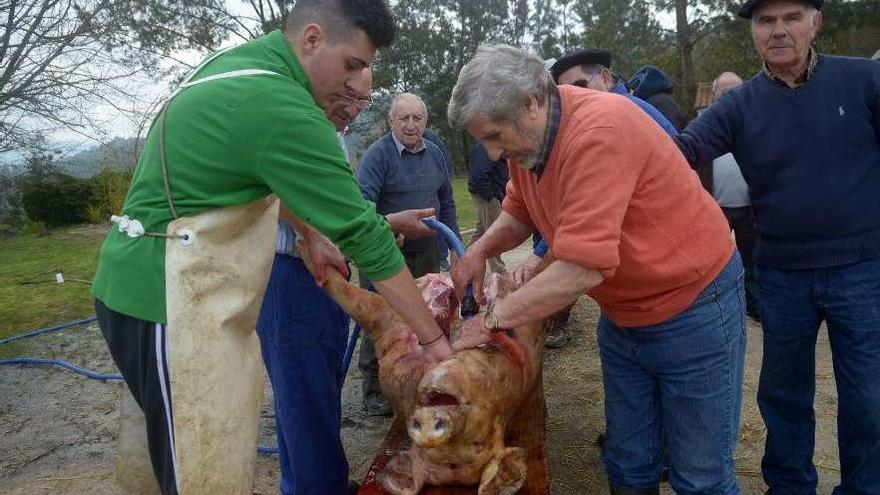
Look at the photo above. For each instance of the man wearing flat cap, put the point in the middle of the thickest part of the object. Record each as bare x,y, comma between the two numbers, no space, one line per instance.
806,134
586,69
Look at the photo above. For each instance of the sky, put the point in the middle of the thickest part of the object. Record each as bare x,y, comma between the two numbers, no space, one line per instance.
150,91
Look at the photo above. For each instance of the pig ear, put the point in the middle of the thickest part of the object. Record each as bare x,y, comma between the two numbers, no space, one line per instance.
403,475
505,474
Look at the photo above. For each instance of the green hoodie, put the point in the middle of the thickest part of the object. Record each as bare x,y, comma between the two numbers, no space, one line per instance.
230,142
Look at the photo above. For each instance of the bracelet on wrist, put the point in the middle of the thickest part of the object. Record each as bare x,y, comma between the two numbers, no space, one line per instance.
435,339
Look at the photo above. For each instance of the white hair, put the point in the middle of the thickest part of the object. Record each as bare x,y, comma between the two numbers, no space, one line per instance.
496,84
407,97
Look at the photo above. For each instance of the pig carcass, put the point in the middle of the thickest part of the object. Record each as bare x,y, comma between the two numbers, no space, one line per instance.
457,410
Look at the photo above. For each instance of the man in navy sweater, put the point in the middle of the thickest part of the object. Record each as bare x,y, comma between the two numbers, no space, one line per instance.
806,134
404,172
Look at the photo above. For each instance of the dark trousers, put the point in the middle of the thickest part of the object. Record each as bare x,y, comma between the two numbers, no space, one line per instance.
742,223
139,350
303,336
420,263
793,305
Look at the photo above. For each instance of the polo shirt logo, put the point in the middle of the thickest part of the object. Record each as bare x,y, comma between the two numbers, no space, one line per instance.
840,109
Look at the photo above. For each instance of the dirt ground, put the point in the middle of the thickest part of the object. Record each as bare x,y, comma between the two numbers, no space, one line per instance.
58,430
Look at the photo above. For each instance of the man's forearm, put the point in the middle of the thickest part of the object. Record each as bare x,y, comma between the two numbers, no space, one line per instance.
505,234
556,287
287,216
401,293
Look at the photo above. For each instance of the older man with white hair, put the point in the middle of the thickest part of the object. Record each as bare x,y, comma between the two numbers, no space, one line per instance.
630,226
805,132
404,173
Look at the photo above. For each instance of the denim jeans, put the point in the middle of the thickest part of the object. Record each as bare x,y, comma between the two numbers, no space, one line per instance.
683,376
793,305
303,334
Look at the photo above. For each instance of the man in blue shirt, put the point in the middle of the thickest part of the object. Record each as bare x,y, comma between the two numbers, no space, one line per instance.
400,172
586,69
805,132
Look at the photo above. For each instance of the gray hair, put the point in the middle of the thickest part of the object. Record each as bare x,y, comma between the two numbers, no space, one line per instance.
407,96
495,85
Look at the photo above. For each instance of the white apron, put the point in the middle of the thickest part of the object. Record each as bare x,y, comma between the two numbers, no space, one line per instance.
217,265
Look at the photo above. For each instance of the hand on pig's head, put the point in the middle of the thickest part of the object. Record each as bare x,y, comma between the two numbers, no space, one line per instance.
470,333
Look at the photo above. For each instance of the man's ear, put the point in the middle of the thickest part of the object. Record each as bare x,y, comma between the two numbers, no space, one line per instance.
311,38
817,24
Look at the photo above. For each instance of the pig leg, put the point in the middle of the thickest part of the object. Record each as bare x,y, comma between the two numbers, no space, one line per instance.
404,475
505,474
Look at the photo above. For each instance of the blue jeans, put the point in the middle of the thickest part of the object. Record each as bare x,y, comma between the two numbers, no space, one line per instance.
683,376
793,305
303,337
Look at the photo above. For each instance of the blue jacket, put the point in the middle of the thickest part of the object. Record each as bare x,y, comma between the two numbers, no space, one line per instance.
404,181
649,109
653,85
486,179
811,158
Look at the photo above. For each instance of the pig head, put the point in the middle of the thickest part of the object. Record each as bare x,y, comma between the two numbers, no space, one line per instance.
456,411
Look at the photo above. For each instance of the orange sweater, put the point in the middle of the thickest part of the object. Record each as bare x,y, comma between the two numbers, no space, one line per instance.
617,196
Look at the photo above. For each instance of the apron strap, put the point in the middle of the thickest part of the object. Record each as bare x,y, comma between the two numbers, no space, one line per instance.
163,159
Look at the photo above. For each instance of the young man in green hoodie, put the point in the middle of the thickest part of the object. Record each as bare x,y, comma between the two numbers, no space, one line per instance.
247,124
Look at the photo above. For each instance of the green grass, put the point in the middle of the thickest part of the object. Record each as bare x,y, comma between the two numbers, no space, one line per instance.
34,258
464,206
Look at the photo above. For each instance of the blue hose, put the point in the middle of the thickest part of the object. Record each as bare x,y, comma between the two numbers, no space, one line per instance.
263,449
447,233
60,362
48,329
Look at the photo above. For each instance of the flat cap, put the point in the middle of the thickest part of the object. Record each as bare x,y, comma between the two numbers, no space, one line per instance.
746,10
583,57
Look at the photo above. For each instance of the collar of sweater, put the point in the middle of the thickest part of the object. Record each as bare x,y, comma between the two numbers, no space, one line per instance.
813,59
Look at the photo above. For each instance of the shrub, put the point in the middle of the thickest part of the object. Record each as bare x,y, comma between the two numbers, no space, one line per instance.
109,189
56,198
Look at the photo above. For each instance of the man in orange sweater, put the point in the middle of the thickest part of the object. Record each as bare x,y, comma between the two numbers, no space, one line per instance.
630,226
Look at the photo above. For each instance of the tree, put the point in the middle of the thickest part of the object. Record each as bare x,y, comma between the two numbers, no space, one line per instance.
627,28
436,39
59,58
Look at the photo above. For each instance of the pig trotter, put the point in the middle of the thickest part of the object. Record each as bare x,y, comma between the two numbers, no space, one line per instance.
505,474
404,475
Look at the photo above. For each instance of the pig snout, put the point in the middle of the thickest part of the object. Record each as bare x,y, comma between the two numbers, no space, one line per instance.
431,426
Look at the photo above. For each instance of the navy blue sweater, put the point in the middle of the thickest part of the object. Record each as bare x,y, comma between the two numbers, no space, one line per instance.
398,182
486,179
811,158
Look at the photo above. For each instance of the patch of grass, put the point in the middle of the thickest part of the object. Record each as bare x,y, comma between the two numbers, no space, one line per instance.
36,258
464,206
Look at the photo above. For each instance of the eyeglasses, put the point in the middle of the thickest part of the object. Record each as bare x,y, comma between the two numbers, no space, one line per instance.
361,103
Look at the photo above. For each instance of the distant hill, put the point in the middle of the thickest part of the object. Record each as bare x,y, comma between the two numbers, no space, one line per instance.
117,154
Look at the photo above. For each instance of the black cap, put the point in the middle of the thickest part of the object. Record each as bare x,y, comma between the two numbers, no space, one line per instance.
583,57
746,10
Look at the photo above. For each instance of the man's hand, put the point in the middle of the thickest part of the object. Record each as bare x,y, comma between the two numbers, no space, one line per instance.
526,270
323,253
469,270
409,223
472,333
437,351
